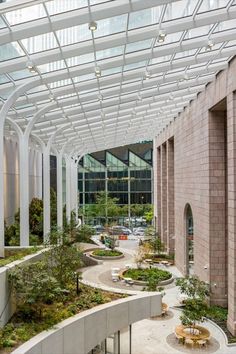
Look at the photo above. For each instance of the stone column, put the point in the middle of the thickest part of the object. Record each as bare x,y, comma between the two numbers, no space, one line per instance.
170,196
163,195
217,207
231,143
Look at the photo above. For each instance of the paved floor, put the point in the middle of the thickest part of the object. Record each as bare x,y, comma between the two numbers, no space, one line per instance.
153,336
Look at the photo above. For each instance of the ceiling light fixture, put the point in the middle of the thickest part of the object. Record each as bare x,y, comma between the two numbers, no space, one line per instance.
139,96
93,26
209,45
30,66
161,36
148,74
97,71
51,97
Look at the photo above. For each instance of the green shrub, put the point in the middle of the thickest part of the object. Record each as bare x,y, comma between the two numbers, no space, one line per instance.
107,253
154,274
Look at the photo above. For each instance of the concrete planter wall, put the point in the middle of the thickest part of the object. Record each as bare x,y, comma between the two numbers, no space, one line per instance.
81,333
144,283
7,306
107,258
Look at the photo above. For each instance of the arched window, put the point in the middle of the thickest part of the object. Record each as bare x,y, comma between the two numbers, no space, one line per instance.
189,239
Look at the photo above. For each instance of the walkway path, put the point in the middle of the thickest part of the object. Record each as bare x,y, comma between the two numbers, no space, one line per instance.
153,336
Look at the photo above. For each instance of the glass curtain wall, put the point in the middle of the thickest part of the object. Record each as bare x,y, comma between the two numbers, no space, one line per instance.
130,182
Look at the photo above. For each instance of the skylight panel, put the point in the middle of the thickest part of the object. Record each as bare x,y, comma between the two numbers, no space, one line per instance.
10,51
132,47
25,14
21,74
144,18
74,34
111,25
40,43
58,6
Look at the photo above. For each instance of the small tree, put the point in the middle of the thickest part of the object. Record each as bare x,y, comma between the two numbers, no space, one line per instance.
84,233
157,245
34,285
196,305
63,259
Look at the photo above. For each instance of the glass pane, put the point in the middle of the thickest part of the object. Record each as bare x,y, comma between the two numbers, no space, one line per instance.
144,18
74,34
111,25
131,47
40,43
10,51
25,14
57,6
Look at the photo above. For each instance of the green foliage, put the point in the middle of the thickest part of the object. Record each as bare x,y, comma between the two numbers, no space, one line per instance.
53,207
148,215
84,233
150,232
63,259
22,328
12,232
157,245
33,283
194,311
146,274
16,255
107,253
196,307
193,287
152,283
217,313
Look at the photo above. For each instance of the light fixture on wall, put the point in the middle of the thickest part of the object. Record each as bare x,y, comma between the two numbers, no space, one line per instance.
93,26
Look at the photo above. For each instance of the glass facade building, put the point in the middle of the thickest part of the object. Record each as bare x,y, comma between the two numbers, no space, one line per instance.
124,173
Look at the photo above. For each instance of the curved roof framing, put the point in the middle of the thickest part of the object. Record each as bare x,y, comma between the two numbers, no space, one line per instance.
151,61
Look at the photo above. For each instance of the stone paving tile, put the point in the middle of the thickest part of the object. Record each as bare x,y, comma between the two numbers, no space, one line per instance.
153,336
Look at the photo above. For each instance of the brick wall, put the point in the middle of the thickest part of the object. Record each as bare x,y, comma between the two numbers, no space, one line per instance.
204,171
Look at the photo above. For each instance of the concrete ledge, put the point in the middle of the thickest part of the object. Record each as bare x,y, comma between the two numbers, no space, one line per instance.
81,333
7,307
107,258
143,283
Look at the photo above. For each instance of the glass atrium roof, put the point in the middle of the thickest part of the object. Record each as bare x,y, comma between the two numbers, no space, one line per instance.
107,73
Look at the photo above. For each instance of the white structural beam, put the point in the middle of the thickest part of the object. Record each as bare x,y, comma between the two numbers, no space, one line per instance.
123,92
116,40
77,17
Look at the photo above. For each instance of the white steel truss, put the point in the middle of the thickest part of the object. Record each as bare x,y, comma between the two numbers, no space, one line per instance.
78,88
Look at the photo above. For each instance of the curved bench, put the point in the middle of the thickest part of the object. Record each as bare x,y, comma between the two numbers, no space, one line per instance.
81,333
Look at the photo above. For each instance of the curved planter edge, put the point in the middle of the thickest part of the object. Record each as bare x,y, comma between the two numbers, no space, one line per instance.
106,258
141,282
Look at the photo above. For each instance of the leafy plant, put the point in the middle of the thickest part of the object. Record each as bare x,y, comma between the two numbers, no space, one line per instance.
33,284
84,233
193,287
146,274
107,253
63,259
196,307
